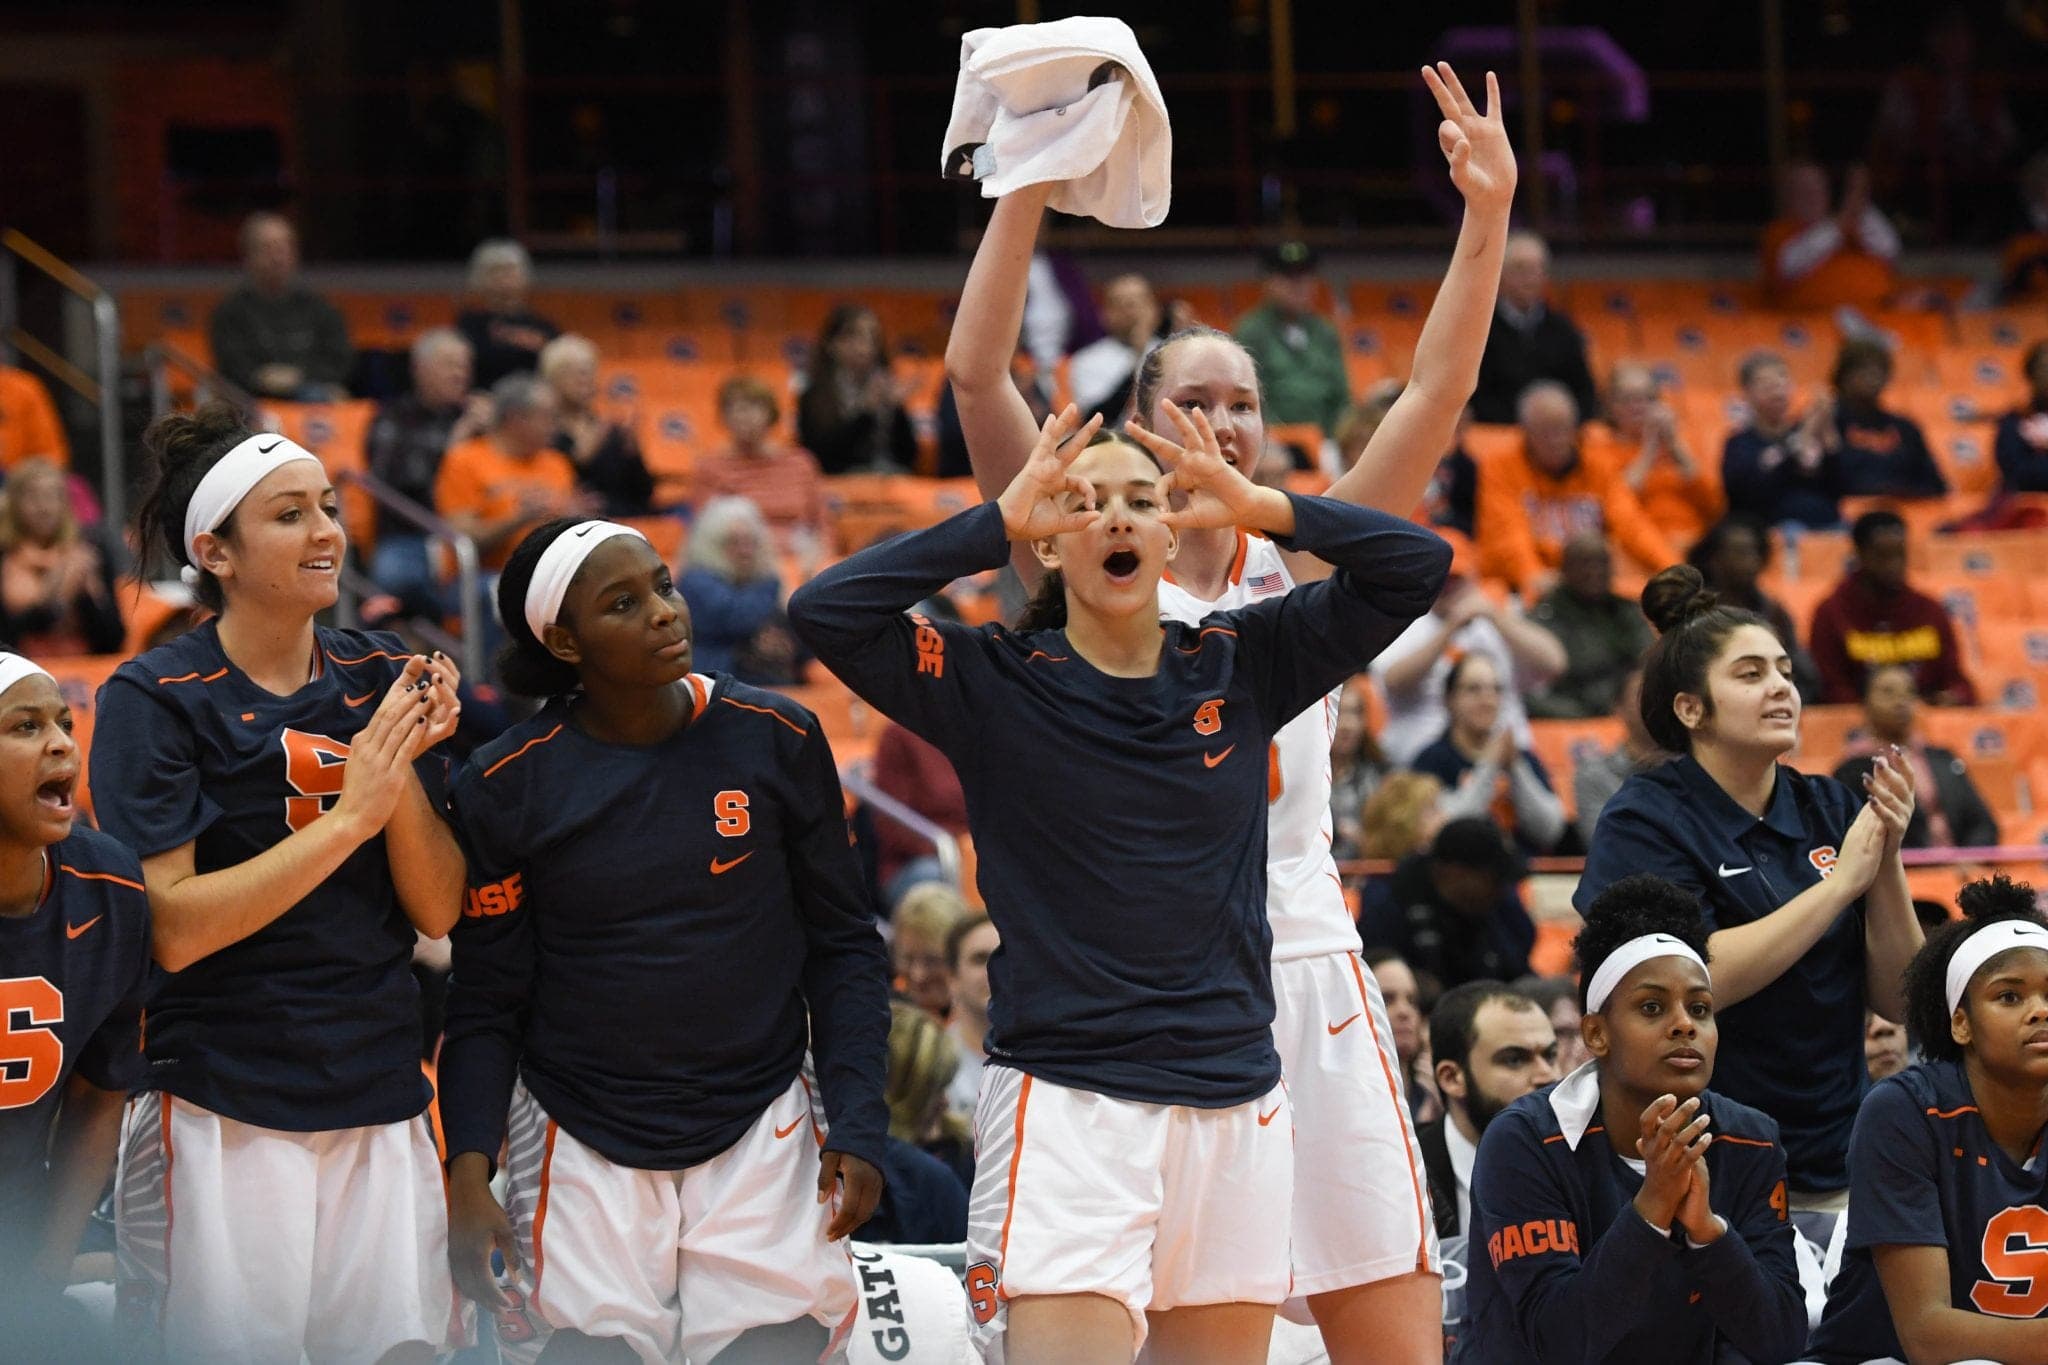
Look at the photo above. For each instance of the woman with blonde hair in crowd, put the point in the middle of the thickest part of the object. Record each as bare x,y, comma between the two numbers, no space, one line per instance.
1402,816
928,1160
917,944
606,453
734,587
56,596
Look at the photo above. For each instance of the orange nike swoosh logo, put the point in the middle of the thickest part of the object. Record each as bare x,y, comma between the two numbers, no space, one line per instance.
1267,1117
793,1126
1336,1029
1211,760
719,866
74,930
358,701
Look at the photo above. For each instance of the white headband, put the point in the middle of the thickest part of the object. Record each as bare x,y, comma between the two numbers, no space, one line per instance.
1627,957
1986,943
229,481
558,565
13,668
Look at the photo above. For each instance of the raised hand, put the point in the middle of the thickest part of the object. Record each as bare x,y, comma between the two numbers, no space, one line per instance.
380,757
1863,850
1674,1137
444,703
1889,785
1215,493
1045,499
1474,142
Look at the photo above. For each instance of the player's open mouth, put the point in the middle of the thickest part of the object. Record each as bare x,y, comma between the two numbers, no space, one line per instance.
1121,566
55,795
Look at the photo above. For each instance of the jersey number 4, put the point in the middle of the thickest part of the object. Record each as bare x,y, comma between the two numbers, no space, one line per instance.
31,1055
2016,1258
314,766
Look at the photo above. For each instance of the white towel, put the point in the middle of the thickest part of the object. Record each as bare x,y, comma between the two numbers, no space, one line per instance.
1073,101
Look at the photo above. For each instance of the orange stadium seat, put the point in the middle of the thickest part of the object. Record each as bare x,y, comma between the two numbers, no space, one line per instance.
1972,600
1999,554
336,432
1823,732
1820,556
1561,745
2013,647
850,724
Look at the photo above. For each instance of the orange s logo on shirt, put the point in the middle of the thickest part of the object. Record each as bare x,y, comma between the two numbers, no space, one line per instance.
730,808
1209,717
314,766
31,1056
495,898
2015,1253
1823,860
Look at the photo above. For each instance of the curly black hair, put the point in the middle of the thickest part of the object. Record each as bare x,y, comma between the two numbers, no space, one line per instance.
524,665
1927,1014
1630,908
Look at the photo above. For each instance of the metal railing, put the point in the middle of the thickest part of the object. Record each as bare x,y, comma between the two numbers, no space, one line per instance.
160,358
468,565
944,846
103,388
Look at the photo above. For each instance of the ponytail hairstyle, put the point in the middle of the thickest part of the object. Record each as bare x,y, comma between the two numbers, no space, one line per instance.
1152,369
1046,609
1927,1013
1691,627
524,664
185,446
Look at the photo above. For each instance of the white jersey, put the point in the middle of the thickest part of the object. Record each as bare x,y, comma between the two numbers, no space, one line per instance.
1304,897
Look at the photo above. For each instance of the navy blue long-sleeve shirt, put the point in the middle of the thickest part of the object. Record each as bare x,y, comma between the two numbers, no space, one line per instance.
653,933
1884,453
1563,1269
1120,823
2022,465
1784,491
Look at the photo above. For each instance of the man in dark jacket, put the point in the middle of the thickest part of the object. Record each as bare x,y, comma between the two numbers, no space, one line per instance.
272,336
1530,340
1491,1045
1454,912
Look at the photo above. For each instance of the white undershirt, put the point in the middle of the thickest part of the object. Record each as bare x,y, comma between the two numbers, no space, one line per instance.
1463,1154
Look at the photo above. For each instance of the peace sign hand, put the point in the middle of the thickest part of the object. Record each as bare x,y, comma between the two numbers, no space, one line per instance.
1474,142
1037,504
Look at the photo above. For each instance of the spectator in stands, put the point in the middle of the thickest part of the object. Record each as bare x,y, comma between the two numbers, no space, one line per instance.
29,428
1452,499
1530,340
851,415
272,336
1596,780
606,453
2023,265
735,591
784,481
1884,1047
923,1200
969,946
503,331
1781,469
408,438
1817,258
1538,495
1362,420
1401,817
1948,810
1876,618
1881,452
917,774
918,929
56,596
1804,892
1587,1258
1603,633
1412,671
1558,998
1405,1020
1732,557
1357,768
2022,442
1491,1045
1640,436
1944,135
1453,913
1485,771
1102,374
496,488
1299,356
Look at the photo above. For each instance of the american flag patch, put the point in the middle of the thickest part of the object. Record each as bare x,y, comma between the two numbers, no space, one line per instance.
1266,584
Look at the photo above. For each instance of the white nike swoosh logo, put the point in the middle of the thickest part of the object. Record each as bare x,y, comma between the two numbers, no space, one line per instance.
1728,871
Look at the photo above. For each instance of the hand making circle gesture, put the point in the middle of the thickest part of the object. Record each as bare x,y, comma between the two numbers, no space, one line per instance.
1040,501
1474,142
1214,492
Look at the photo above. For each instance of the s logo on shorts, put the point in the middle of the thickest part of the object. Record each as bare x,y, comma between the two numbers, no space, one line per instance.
981,1291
